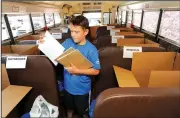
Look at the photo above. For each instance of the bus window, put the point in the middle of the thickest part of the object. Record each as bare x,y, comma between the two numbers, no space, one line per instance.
20,24
38,21
93,18
49,19
150,21
57,18
106,17
170,26
119,20
4,32
123,17
129,18
137,17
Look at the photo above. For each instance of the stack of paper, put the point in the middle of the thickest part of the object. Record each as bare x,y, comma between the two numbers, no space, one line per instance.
72,56
51,47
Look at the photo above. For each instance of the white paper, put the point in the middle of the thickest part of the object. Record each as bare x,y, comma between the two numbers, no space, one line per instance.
51,47
110,27
128,51
16,62
114,38
57,35
113,32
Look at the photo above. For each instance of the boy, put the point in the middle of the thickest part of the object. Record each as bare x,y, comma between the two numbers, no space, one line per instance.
77,83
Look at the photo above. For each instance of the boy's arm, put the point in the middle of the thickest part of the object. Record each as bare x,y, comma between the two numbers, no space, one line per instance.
75,70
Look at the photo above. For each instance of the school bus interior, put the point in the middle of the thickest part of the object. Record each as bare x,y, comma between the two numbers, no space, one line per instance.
152,26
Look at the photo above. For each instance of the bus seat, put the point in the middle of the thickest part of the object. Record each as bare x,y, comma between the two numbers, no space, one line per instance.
102,31
104,41
108,57
40,75
138,103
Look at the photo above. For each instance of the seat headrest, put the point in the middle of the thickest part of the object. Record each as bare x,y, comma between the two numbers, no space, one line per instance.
138,103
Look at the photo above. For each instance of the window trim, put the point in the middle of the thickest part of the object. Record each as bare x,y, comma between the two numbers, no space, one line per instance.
169,41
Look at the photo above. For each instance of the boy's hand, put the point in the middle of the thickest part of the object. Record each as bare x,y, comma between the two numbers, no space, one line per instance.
73,69
41,39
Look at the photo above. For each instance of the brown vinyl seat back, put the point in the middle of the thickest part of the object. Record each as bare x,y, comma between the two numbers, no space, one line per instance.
66,35
104,41
108,57
40,75
102,31
93,30
138,103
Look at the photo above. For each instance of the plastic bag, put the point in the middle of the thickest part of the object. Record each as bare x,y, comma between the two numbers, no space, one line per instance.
41,108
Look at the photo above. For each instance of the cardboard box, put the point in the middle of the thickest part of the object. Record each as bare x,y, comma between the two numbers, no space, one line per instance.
30,37
20,50
132,35
125,78
123,29
150,69
136,42
177,62
11,94
124,33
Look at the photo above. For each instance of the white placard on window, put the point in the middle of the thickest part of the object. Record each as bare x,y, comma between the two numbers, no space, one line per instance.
16,62
128,51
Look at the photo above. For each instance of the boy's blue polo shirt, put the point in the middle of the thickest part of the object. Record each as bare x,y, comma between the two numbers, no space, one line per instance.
80,84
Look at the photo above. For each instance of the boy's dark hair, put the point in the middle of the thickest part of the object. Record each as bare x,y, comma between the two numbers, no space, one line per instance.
80,21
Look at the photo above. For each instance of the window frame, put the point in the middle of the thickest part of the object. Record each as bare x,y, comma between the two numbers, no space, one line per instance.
3,20
46,20
20,14
166,38
43,21
134,12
